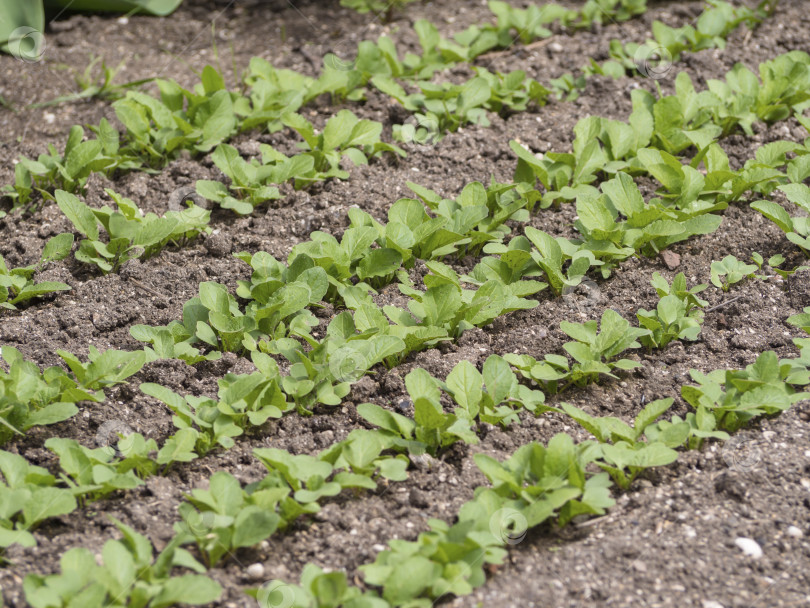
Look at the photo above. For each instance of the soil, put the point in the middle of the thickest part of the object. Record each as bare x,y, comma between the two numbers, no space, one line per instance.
670,541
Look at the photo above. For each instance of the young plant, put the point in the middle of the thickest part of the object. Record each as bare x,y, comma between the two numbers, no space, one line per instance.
344,135
594,352
31,397
68,171
620,452
438,108
295,482
243,401
324,373
478,213
317,588
248,182
224,518
678,315
103,369
361,456
91,87
648,227
198,121
734,397
384,7
494,396
30,497
350,257
797,229
127,574
512,92
535,485
446,306
435,429
732,270
17,285
130,234
551,255
91,473
431,430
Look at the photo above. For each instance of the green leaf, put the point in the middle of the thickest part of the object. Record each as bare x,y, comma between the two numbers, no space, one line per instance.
498,378
51,414
253,525
178,448
47,502
775,213
385,419
428,415
379,263
15,15
464,381
215,297
338,130
78,213
192,589
440,304
39,289
651,412
57,248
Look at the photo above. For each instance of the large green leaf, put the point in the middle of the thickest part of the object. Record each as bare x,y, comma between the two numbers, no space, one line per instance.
15,14
150,7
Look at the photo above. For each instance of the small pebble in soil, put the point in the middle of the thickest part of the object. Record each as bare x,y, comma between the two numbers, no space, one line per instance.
255,571
749,546
671,259
794,532
404,405
711,604
555,47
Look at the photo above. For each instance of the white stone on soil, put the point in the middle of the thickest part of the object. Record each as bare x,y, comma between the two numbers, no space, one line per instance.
749,546
255,571
794,532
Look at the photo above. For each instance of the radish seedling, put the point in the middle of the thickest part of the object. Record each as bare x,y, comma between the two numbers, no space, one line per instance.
17,285
126,574
89,473
734,397
224,518
31,496
732,270
130,233
678,315
594,353
30,397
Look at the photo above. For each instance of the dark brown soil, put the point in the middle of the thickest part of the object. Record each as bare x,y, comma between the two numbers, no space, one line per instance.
668,542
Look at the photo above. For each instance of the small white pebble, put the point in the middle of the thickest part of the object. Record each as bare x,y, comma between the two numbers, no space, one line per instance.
378,548
689,532
255,571
555,47
749,546
49,117
123,20
794,532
